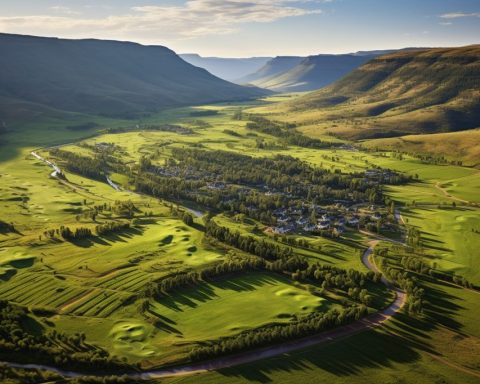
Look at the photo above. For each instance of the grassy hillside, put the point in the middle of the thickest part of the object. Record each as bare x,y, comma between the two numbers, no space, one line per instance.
461,146
408,92
101,77
312,73
229,69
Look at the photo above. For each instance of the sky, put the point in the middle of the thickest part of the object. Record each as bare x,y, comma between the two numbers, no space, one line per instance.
245,28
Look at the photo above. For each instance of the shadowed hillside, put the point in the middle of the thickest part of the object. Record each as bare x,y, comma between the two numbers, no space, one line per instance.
108,78
272,68
226,68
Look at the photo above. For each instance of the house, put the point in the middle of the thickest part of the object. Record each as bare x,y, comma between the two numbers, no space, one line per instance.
310,227
280,230
279,212
302,221
338,231
323,225
325,218
376,216
353,221
216,185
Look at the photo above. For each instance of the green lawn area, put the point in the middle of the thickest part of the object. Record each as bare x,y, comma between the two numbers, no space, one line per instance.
448,235
432,349
228,306
93,285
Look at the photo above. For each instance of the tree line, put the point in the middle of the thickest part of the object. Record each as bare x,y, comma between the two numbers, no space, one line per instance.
284,131
309,325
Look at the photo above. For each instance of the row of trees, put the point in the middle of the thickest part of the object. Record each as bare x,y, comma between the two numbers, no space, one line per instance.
78,234
111,227
315,323
93,168
262,248
403,279
181,280
284,131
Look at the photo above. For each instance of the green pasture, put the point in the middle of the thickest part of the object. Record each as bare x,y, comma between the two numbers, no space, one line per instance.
93,285
449,235
227,307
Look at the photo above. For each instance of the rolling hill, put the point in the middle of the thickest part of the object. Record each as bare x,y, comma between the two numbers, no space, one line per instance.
407,92
462,145
228,69
111,78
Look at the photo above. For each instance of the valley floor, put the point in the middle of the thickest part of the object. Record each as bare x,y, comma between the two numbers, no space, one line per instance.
96,284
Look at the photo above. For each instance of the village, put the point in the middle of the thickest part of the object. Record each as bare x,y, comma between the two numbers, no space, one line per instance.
332,220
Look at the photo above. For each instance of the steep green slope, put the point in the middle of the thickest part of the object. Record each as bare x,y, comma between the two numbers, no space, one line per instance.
420,91
102,77
229,69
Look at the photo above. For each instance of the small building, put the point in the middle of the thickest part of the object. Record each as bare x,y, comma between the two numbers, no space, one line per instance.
322,225
353,221
279,212
302,221
338,231
216,185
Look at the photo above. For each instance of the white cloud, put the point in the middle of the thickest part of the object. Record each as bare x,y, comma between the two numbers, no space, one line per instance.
193,18
63,10
457,15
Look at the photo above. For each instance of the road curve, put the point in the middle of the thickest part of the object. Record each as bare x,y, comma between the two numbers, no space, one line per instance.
344,331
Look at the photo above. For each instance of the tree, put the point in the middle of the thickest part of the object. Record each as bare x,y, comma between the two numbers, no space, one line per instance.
187,218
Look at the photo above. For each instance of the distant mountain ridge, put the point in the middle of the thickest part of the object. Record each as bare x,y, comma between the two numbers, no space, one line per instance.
273,67
417,91
313,72
111,78
299,74
229,69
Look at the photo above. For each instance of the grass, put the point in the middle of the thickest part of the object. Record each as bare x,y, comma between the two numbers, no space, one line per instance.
448,236
93,285
435,348
454,145
227,307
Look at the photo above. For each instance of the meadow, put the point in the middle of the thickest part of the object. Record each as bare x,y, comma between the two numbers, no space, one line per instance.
96,284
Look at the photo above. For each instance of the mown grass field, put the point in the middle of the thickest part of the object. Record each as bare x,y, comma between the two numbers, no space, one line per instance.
93,285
